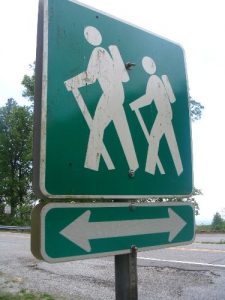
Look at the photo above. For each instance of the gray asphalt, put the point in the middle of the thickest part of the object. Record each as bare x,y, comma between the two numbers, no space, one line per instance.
195,271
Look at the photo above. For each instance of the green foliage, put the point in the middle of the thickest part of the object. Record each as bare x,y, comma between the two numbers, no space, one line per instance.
15,155
218,223
25,295
203,229
21,217
196,109
29,83
189,199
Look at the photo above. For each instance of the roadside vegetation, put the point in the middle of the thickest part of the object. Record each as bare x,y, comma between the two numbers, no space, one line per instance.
217,225
25,295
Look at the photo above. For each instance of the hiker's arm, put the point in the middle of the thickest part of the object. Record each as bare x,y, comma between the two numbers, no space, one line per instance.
78,81
140,102
84,78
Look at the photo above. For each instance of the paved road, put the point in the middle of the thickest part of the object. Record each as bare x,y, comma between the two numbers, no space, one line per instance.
196,271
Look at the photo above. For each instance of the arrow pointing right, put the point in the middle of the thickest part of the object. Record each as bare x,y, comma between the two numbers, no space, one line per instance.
81,230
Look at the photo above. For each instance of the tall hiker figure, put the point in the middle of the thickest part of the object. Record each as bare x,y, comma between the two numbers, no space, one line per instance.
107,67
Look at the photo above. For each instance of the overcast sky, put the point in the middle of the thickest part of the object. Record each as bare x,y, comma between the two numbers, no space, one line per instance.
197,25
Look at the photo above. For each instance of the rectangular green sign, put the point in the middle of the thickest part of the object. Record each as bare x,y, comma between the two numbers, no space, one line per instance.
74,231
111,108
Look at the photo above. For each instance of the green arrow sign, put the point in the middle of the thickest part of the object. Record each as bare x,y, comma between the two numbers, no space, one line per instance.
74,231
111,108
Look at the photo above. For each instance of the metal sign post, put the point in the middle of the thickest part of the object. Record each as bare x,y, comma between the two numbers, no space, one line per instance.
126,279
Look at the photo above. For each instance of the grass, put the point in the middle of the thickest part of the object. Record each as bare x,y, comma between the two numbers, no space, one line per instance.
209,229
25,295
221,242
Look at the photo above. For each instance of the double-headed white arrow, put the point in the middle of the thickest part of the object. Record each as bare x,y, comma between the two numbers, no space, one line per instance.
81,231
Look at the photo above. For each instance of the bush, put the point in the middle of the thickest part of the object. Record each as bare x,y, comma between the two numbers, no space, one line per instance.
218,223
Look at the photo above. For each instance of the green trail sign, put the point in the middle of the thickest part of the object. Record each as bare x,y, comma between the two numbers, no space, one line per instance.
64,232
111,108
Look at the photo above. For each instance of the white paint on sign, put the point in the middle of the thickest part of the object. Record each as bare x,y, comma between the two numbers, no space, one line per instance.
160,91
81,230
108,68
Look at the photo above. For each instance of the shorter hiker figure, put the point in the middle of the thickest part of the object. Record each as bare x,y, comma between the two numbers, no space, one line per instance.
160,91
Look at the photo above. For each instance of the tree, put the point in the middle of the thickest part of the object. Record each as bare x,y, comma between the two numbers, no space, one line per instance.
29,82
223,212
15,155
218,223
196,109
189,199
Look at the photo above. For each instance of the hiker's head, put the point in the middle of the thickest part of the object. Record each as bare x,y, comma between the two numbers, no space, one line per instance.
92,35
148,65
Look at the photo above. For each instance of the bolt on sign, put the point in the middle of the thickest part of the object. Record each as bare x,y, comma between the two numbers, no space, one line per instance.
65,232
111,108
